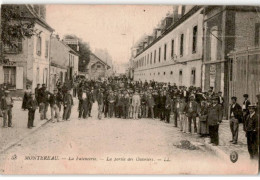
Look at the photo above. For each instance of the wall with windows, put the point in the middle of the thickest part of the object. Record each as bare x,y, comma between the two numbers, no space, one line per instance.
180,49
39,57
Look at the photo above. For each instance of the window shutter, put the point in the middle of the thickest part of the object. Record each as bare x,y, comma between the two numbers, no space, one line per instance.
46,48
19,77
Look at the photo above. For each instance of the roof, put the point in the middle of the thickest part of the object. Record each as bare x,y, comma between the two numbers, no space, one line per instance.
100,60
39,19
171,27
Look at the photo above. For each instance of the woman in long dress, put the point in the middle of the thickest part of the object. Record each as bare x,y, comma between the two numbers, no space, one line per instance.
204,130
26,97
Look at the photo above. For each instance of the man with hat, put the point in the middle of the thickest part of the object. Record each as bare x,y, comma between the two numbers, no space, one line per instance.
245,109
6,107
251,129
214,119
32,105
235,115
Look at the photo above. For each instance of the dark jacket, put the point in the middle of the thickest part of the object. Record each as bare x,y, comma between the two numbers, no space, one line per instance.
214,115
32,104
237,111
67,100
193,110
4,105
43,96
251,123
100,98
55,99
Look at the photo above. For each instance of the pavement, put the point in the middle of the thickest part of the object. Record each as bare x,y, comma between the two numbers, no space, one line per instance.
115,138
11,136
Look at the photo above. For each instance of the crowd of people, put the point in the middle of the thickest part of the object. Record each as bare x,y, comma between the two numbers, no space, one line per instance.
190,109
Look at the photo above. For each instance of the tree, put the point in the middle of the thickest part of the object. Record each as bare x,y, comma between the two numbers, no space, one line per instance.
14,27
84,52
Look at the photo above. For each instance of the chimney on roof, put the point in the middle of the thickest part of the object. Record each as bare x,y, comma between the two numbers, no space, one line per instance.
175,15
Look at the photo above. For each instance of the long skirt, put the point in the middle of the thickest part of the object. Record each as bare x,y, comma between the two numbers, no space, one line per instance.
203,124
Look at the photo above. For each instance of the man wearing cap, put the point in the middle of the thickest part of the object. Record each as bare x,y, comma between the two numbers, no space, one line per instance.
55,104
251,129
235,115
32,105
6,107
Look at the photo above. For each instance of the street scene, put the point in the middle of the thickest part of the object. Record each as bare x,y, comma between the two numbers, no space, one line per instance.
81,94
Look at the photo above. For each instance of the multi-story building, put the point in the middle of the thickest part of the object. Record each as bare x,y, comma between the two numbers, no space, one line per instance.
231,62
174,52
64,62
28,64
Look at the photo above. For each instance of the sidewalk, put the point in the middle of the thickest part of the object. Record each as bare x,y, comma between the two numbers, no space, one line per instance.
11,136
225,147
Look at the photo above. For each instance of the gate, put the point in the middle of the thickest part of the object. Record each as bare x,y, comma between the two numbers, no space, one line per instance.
244,74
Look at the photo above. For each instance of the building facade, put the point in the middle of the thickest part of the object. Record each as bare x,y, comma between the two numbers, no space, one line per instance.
174,52
230,51
97,68
64,62
28,64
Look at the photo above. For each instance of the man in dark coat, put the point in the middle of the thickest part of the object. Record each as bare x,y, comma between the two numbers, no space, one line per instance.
245,109
214,119
32,105
251,129
36,92
43,96
235,116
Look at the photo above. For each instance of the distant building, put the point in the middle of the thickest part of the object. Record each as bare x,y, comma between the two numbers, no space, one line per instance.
97,68
64,62
173,53
28,64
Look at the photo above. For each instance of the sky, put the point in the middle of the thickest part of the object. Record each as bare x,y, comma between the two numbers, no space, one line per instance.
111,27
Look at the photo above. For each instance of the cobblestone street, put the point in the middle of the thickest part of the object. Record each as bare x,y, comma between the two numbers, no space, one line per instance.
151,144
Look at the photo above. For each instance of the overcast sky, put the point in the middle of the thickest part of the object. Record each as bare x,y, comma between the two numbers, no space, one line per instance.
111,27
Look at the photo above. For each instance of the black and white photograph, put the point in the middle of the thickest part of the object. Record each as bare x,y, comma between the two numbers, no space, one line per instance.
129,89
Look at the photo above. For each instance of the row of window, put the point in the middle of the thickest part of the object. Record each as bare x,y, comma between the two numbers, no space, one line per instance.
151,58
192,78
